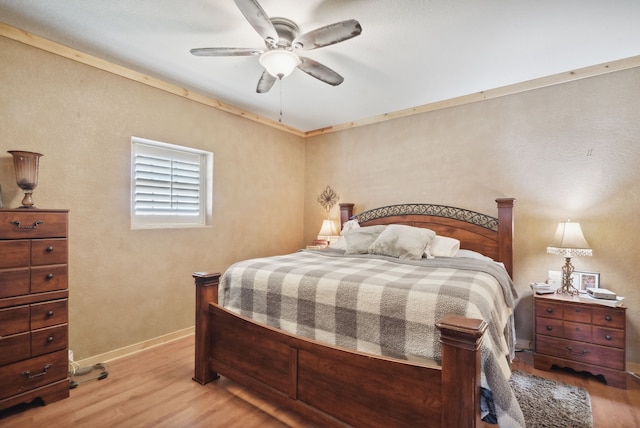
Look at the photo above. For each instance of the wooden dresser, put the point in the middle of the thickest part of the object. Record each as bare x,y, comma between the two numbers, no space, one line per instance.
582,336
33,306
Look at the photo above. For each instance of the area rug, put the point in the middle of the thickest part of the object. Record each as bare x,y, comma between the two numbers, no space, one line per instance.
548,403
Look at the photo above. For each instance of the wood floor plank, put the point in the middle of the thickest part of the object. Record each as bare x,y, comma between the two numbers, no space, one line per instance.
153,388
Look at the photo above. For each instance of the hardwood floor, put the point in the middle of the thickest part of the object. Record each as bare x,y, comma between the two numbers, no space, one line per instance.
153,388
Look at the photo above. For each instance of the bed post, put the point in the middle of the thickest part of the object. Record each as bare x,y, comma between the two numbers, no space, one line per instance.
505,233
461,338
346,211
206,292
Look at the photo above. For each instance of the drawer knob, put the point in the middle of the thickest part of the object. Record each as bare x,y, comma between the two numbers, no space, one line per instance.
49,339
49,314
549,310
33,226
49,276
607,317
577,309
607,336
549,328
28,374
50,249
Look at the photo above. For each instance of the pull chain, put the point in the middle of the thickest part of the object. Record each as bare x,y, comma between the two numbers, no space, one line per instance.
280,85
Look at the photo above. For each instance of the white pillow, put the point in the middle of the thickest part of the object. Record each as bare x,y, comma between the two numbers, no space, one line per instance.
359,239
341,243
442,246
404,242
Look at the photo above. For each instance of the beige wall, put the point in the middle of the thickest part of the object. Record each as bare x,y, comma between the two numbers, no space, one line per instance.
569,150
565,151
130,286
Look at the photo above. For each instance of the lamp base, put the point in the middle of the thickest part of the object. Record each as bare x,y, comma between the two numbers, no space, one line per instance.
567,281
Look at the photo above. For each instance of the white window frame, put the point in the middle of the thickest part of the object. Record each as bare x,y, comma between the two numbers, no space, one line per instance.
172,216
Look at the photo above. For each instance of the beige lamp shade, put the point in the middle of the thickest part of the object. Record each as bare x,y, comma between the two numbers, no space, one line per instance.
328,230
569,241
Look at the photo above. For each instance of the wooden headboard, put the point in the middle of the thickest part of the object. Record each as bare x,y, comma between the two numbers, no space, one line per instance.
479,232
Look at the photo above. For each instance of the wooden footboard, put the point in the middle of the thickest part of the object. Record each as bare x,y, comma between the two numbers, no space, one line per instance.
335,386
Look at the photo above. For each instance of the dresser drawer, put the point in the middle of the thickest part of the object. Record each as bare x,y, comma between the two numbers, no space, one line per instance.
48,278
20,224
15,254
577,331
608,337
14,282
549,309
609,317
46,340
577,313
15,348
48,313
33,373
48,252
549,326
579,351
14,320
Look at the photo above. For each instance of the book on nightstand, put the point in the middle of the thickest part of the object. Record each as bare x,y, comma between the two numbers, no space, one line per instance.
542,288
587,298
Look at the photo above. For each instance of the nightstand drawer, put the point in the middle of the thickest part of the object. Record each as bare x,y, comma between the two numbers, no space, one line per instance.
48,314
577,313
579,351
48,278
49,339
608,337
48,252
20,224
33,373
550,327
609,317
14,320
577,331
549,309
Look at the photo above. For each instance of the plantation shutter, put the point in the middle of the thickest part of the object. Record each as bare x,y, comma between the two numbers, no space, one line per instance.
167,185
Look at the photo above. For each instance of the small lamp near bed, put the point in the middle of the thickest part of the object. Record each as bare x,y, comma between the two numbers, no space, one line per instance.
328,231
569,241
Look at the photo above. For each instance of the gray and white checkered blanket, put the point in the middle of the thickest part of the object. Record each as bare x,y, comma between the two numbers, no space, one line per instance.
381,305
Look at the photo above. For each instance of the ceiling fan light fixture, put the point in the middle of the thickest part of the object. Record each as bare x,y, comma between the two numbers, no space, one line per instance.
279,62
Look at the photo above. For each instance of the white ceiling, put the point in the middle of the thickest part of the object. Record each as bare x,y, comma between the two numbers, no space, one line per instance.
410,53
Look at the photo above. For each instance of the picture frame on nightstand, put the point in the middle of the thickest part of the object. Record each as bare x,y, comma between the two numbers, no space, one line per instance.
582,280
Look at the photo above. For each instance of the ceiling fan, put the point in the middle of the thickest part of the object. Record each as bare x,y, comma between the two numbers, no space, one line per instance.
283,39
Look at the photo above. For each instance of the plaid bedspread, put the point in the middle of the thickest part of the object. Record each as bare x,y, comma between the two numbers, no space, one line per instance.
381,305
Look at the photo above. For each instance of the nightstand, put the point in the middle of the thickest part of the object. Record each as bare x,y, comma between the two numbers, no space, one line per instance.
581,336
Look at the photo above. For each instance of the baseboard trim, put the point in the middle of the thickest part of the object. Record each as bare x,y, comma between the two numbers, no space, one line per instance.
136,347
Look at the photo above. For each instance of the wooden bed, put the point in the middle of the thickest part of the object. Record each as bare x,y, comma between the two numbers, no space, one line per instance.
334,386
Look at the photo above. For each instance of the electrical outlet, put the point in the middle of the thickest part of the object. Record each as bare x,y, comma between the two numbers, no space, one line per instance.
70,355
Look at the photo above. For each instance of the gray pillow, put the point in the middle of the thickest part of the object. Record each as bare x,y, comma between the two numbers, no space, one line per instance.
404,242
360,239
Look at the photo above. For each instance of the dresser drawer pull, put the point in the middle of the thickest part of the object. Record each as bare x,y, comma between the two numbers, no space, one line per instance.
607,317
28,374
49,339
577,309
580,353
49,276
549,328
608,336
549,310
49,314
49,249
34,226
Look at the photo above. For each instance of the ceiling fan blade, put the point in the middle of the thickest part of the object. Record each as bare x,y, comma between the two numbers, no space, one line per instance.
265,83
226,51
328,35
320,72
258,19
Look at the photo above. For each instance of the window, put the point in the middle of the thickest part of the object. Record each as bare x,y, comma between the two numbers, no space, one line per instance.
171,186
